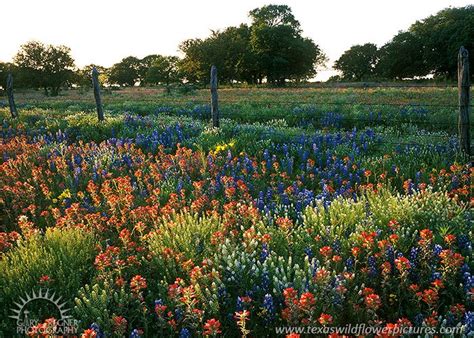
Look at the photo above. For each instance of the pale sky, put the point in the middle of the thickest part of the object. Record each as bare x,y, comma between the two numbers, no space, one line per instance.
103,32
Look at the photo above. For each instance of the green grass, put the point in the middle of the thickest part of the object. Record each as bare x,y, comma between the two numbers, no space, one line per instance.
429,108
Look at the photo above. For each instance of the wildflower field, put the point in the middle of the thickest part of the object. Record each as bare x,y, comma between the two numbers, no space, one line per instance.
308,207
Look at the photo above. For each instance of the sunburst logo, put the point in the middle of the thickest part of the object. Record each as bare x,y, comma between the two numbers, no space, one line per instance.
27,324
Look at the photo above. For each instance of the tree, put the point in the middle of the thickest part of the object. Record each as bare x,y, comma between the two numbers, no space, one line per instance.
272,48
282,53
126,72
5,68
46,66
194,61
163,70
358,63
84,76
442,35
430,46
145,65
229,50
401,58
3,74
274,16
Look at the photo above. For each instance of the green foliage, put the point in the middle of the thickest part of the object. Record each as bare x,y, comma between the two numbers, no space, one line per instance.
442,35
430,46
84,76
99,303
272,48
274,15
163,70
3,74
126,72
66,256
44,66
433,210
402,57
186,234
358,63
229,50
282,53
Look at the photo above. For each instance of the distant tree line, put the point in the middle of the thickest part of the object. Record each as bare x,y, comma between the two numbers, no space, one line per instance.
271,49
428,47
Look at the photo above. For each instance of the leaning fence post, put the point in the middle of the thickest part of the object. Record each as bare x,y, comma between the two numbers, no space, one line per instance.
11,100
98,101
214,98
464,100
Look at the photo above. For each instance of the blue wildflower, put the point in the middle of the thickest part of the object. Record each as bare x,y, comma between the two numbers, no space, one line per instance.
184,333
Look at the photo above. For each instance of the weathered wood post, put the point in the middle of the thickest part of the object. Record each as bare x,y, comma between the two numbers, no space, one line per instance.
464,85
214,98
11,99
98,101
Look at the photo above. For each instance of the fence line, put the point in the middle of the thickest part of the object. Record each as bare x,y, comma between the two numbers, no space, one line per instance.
343,118
293,102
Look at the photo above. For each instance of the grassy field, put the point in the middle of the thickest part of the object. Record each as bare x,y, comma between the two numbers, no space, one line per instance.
260,104
309,206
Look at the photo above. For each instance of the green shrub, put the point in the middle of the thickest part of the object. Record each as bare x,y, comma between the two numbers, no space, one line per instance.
66,256
184,234
99,303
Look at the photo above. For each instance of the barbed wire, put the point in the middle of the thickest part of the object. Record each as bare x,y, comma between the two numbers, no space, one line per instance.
313,118
366,86
262,102
308,103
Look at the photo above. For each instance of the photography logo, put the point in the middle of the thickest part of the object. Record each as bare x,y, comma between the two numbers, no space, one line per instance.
27,324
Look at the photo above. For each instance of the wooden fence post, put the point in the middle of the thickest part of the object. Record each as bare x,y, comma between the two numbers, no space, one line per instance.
214,98
11,100
464,85
98,101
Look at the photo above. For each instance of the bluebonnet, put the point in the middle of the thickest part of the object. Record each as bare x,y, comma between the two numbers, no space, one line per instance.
269,307
265,281
437,249
135,334
464,242
222,292
349,264
265,252
184,333
336,246
372,263
97,330
240,304
390,254
436,275
468,321
418,320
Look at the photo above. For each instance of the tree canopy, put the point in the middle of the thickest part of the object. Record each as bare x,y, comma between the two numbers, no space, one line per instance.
126,72
272,48
163,70
442,35
45,66
401,58
358,63
428,47
84,75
